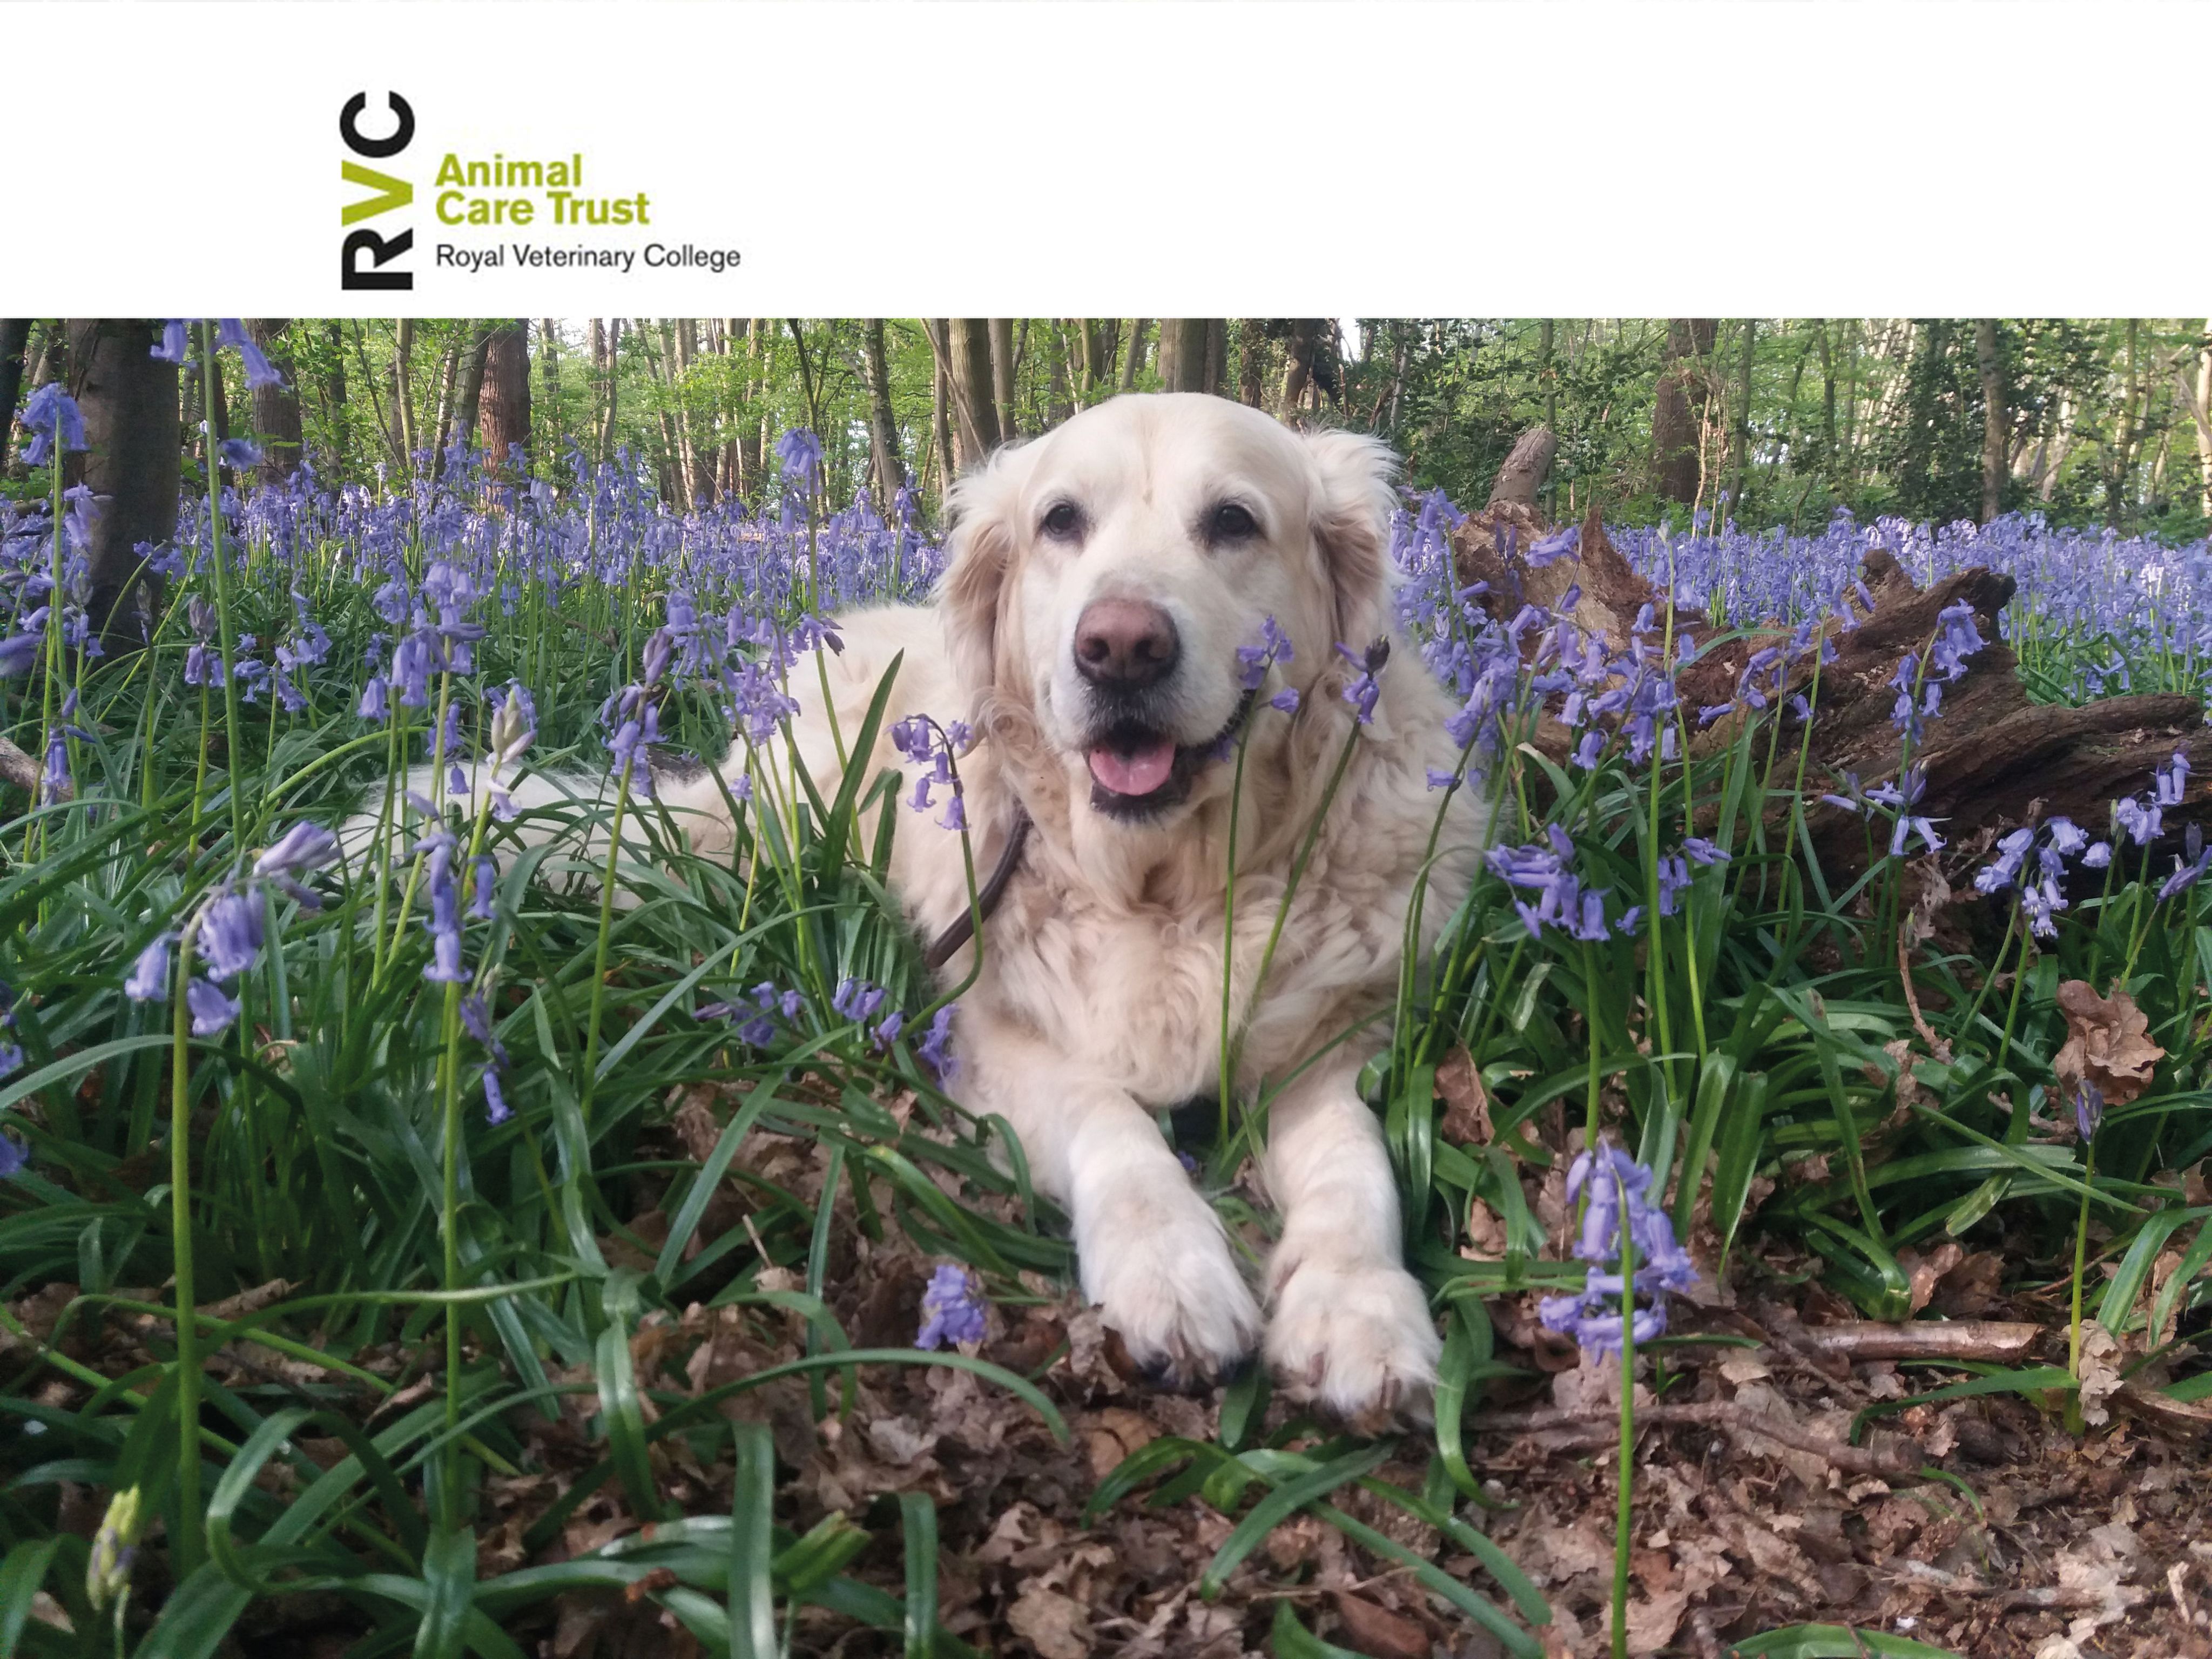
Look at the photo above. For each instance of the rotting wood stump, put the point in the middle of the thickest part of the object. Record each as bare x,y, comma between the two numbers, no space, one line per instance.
1992,759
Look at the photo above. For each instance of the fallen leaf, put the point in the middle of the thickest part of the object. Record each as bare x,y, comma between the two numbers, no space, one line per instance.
1925,1272
1377,1632
1466,1103
1056,1625
2108,1044
2100,1371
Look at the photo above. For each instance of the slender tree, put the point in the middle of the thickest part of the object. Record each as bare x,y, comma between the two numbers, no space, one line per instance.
1186,362
15,339
277,408
883,425
1677,459
974,405
1135,359
129,399
503,397
1996,419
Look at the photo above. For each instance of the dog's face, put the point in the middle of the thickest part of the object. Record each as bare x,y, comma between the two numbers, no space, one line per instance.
1106,575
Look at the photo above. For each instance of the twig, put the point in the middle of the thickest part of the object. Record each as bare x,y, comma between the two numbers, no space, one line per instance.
1893,1455
1987,1340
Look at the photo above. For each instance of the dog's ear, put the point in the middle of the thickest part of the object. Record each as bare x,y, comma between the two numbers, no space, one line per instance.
980,556
1352,502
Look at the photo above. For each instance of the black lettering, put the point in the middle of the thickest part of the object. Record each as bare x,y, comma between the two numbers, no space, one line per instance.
376,149
380,250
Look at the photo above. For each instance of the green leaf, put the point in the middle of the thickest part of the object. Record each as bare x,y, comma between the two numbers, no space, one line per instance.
752,1546
918,1519
1288,1639
1279,1505
449,1572
1833,1642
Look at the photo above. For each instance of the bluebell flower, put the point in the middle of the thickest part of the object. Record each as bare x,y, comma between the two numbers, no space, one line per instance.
1362,691
2088,1109
18,653
53,418
799,453
856,999
372,706
935,1046
14,1155
11,1058
242,454
211,1011
1616,1191
1254,660
497,1110
302,847
231,332
230,934
1286,700
149,974
952,1309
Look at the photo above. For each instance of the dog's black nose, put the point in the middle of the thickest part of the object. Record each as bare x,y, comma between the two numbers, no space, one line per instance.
1125,644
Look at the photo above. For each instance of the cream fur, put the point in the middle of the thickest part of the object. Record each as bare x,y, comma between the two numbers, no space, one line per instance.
1099,997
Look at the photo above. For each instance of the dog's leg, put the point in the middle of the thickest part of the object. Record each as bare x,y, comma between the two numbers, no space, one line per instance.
1351,1328
1152,1253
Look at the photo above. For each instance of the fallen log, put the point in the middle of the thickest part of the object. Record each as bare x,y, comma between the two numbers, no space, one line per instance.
1990,758
1887,1454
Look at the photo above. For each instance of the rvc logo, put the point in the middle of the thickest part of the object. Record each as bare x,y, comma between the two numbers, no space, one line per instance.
391,193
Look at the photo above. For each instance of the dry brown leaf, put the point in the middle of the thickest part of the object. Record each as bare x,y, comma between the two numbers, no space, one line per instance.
1056,1625
1926,1271
2108,1044
1377,1632
2100,1371
1466,1103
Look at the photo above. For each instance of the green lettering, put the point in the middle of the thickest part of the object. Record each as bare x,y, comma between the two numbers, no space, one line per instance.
396,193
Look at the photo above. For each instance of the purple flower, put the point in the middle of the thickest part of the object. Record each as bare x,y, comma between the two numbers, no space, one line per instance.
857,1000
11,1058
497,1110
149,974
231,332
2099,855
1362,691
2172,780
952,1308
18,653
242,454
799,453
212,1012
1254,660
2088,1109
304,847
230,935
1286,700
13,1154
1616,1191
935,1046
53,418
372,706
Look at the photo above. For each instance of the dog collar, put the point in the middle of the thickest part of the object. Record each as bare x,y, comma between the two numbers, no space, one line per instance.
963,927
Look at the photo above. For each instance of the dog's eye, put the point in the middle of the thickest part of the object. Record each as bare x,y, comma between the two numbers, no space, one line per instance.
1231,523
1061,521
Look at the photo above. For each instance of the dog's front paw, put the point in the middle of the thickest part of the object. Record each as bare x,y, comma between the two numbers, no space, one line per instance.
1356,1340
1163,1275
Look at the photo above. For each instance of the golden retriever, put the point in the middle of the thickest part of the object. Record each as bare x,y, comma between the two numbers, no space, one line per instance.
1100,583
1101,580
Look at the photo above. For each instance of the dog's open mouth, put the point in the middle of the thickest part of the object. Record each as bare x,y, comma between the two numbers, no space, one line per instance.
1136,769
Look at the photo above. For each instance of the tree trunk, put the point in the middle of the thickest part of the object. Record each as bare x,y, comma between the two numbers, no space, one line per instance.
1304,341
1135,360
1677,460
1743,413
1522,479
2116,481
975,406
1997,420
1002,377
403,392
547,412
883,425
449,375
129,399
606,345
1827,395
1184,357
277,408
1059,400
1251,363
504,399
14,338
698,474
468,403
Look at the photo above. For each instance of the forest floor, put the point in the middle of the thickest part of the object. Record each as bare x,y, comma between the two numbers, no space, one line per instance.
1977,1524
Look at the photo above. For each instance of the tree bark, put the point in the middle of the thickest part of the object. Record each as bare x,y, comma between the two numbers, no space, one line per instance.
1251,363
1304,342
1677,460
547,411
1743,413
1997,420
1060,399
129,399
1522,478
14,338
277,408
504,399
883,424
974,405
1135,359
449,375
468,403
1185,358
1002,377
403,392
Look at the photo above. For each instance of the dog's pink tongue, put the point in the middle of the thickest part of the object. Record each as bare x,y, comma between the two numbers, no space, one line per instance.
1137,772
